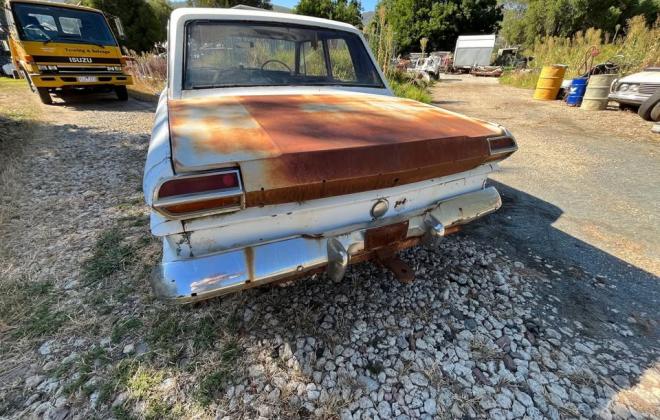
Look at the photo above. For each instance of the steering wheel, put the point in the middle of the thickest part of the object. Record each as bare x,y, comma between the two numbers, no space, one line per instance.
276,61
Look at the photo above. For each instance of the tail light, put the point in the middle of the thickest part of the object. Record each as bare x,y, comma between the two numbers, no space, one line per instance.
504,144
200,195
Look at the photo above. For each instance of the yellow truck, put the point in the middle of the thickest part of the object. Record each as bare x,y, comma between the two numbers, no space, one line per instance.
57,47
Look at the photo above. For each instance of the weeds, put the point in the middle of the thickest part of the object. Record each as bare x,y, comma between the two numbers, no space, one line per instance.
638,49
410,91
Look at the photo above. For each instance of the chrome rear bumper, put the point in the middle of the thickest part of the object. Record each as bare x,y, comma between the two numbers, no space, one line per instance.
198,278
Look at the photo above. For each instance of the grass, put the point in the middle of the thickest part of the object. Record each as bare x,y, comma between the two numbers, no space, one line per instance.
17,127
110,255
521,79
143,381
410,91
28,308
85,365
638,49
215,383
123,327
212,385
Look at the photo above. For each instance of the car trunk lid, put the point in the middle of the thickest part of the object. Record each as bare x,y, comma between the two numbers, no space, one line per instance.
305,146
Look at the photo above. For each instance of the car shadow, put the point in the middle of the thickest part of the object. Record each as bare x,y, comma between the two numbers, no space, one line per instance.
592,281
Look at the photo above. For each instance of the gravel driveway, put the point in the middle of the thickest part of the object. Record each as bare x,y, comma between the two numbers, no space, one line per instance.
490,328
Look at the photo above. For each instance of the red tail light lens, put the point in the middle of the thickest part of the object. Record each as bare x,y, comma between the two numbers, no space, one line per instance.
199,195
198,184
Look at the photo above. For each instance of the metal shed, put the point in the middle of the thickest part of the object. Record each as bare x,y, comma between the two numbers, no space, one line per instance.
473,50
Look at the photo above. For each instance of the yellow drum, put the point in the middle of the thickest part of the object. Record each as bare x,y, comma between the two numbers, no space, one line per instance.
549,82
595,98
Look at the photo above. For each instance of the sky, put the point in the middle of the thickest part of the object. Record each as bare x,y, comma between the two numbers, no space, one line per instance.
367,5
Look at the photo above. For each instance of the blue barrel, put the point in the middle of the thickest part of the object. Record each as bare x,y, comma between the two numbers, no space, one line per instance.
576,91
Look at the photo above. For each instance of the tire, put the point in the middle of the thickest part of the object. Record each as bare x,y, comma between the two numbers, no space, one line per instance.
646,109
122,93
655,113
44,95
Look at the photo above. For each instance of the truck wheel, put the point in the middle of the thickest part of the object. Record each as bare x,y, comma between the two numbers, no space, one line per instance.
122,93
44,95
646,109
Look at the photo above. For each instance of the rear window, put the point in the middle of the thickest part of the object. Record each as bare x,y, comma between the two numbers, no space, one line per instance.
227,54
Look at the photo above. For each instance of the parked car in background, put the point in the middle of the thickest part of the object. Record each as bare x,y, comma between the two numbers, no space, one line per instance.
278,150
634,89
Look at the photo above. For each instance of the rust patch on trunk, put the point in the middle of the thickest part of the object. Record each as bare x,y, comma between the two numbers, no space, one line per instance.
294,148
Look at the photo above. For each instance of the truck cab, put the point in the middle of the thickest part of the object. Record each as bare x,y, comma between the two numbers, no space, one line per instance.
57,47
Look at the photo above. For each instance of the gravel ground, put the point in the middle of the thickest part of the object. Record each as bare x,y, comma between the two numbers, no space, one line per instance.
481,333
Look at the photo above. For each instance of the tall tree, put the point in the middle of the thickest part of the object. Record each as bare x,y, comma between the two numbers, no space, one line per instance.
263,4
349,11
441,21
144,20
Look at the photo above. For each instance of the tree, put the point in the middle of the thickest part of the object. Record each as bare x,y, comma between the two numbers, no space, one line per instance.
441,21
527,20
144,21
349,11
263,4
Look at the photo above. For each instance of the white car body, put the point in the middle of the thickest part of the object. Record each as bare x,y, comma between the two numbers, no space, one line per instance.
214,254
635,88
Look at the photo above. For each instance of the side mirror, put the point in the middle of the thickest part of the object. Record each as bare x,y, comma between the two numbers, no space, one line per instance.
120,28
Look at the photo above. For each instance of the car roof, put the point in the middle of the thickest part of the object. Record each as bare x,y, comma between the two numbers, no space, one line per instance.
195,13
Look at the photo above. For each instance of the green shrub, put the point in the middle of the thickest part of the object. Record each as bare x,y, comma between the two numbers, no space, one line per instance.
410,91
638,49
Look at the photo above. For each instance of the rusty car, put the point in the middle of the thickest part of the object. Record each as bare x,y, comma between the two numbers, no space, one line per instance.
278,150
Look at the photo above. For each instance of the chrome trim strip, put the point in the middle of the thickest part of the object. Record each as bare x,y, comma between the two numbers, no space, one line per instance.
504,150
187,280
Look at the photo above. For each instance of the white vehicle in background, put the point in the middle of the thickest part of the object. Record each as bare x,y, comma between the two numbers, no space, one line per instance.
636,88
9,70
